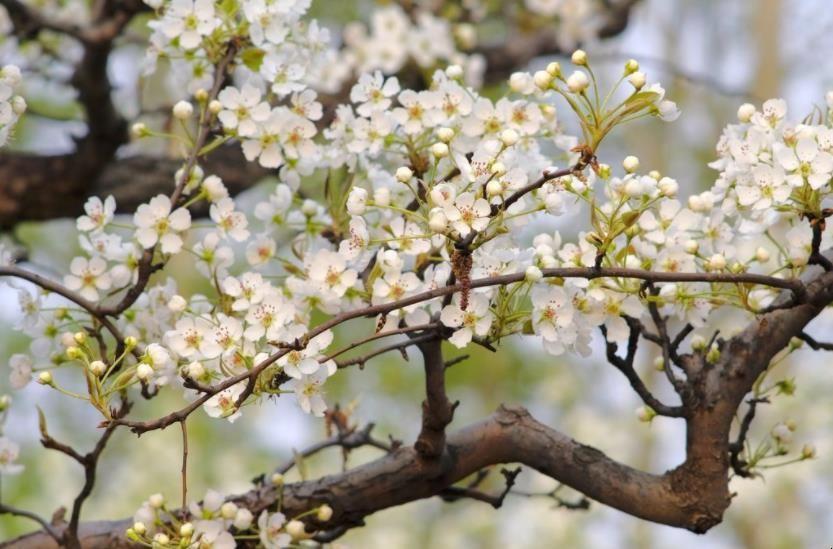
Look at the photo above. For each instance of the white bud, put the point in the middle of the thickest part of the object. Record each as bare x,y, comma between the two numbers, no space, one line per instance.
183,110
357,201
438,222
381,197
45,378
631,66
195,370
745,112
533,274
668,187
493,188
466,34
579,57
542,79
548,261
498,168
295,528
520,82
11,74
404,174
156,501
578,82
139,528
144,371
445,135
98,367
139,130
454,71
439,150
68,339
637,80
554,69
309,207
186,530
691,246
161,539
808,451
177,303
18,105
717,262
630,163
633,188
782,433
228,510
277,479
214,106
509,137
243,519
325,513
762,254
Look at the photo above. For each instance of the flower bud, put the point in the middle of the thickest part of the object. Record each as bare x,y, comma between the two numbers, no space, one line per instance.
74,353
295,528
214,106
745,112
577,82
67,339
404,174
645,414
438,222
493,188
698,343
186,530
80,337
183,110
604,171
139,528
554,69
498,168
161,539
439,150
130,342
631,66
579,57
454,71
309,208
466,34
630,163
762,254
5,402
659,364
533,274
713,355
542,79
228,510
808,451
716,263
357,201
637,80
796,343
445,135
325,513
782,433
668,187
243,519
177,303
277,479
201,95
98,367
691,246
519,82
195,370
633,188
509,137
144,371
139,130
156,501
45,378
18,105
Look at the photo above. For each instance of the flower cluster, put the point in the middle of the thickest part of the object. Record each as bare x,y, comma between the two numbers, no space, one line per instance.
215,521
11,105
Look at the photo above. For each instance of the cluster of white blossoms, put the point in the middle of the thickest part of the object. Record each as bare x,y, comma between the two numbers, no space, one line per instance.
11,105
216,521
424,189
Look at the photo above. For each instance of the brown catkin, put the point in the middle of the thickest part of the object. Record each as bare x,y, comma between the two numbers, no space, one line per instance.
461,267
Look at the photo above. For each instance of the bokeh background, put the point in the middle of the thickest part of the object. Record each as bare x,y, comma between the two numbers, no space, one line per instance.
712,55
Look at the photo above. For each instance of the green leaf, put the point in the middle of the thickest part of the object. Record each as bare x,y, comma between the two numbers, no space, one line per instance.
252,58
44,433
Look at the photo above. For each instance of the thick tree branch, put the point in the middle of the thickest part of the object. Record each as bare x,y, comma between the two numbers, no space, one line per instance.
437,410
